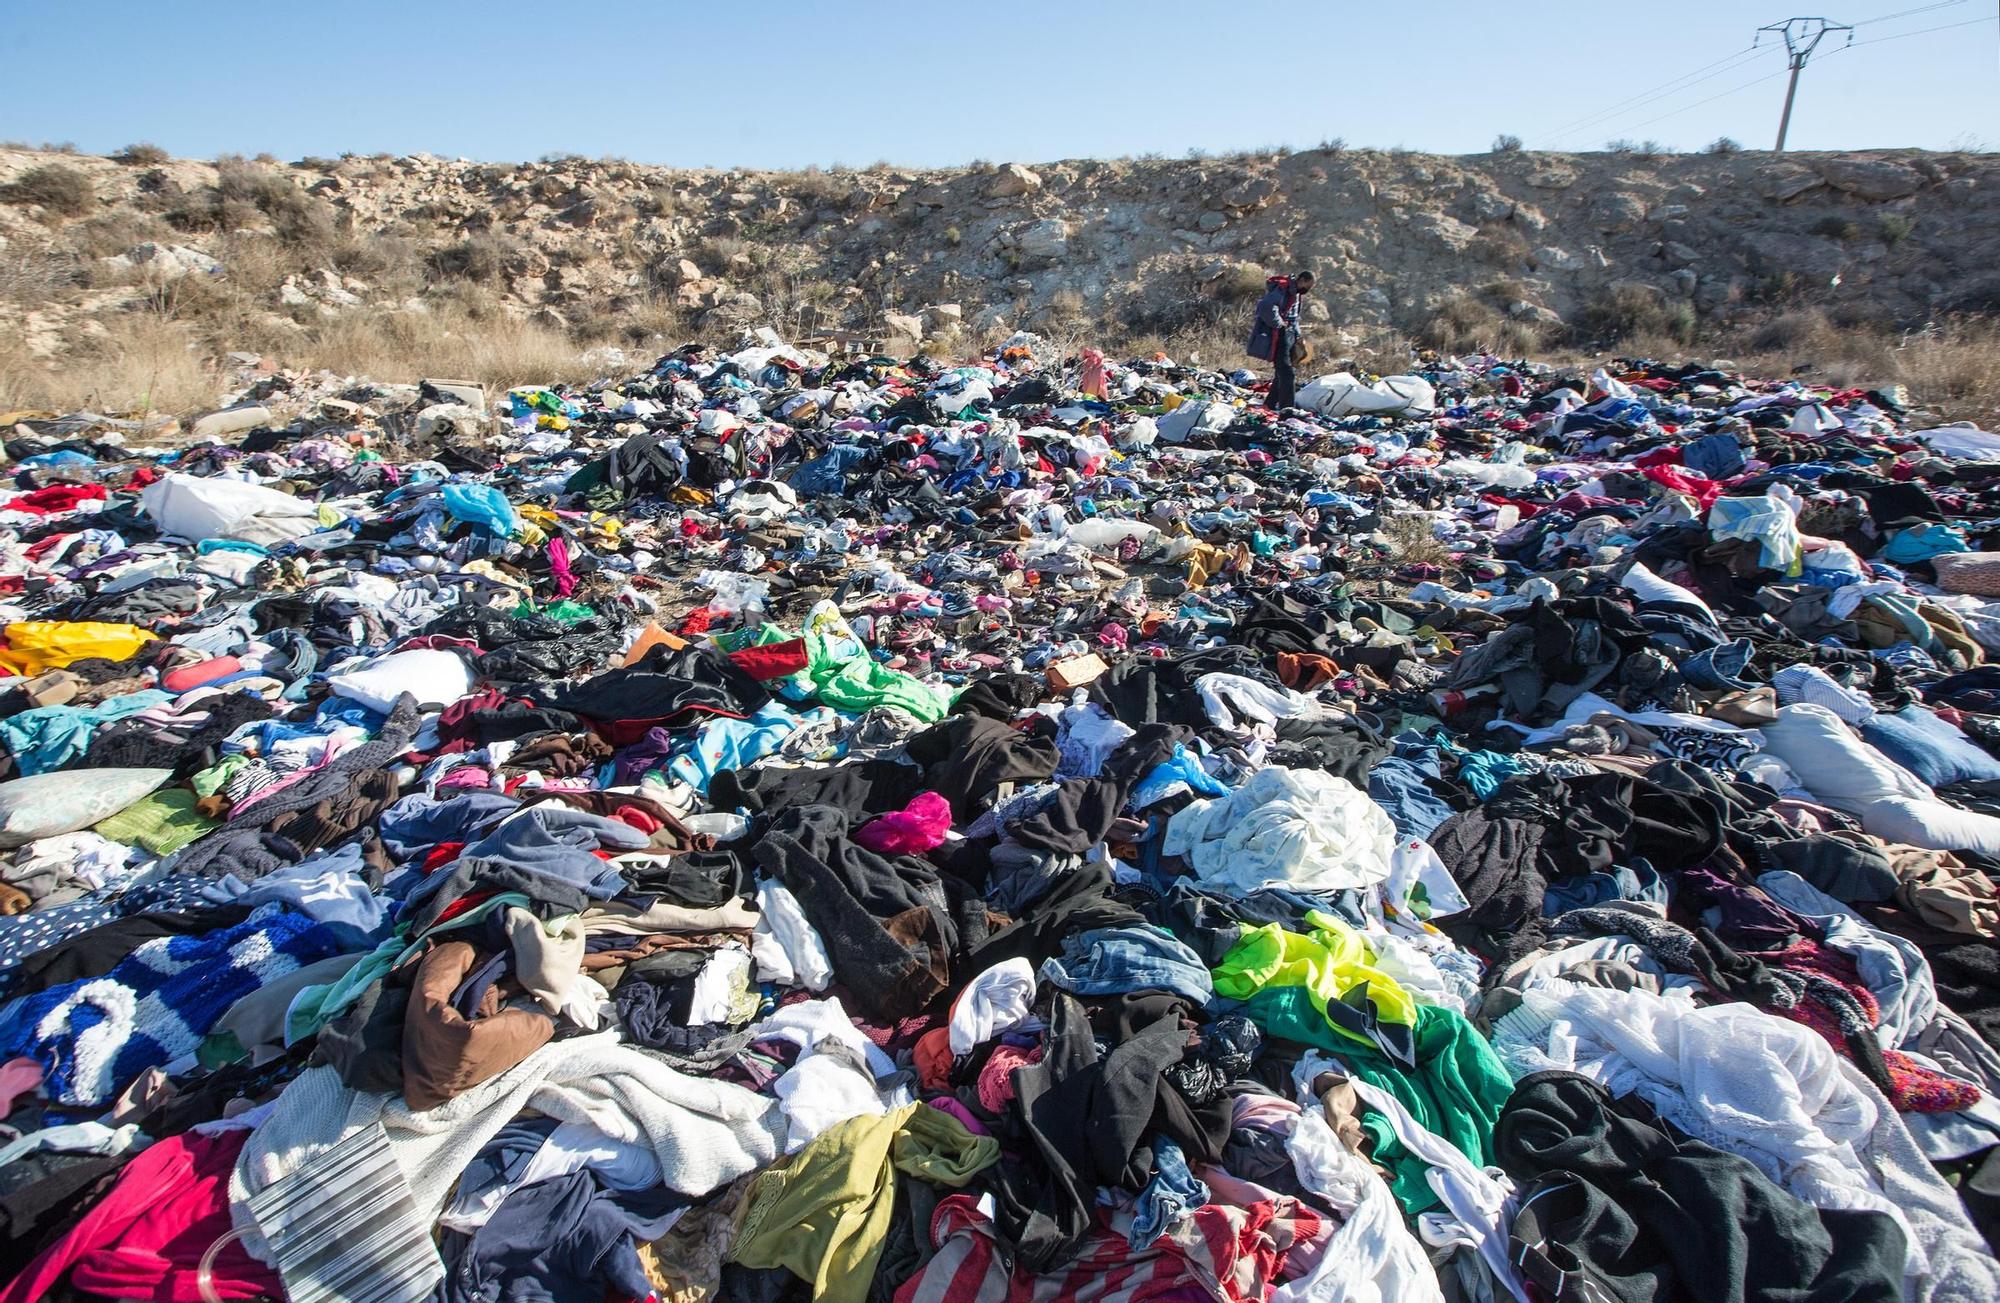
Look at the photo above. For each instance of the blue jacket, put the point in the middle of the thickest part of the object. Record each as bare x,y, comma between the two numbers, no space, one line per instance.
1277,319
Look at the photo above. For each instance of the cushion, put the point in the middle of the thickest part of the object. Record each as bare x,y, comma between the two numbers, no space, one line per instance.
47,805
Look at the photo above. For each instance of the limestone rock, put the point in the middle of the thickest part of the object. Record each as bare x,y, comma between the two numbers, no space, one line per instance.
1874,179
1011,181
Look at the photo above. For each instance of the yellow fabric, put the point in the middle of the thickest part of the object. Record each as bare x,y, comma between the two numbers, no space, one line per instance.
1329,961
37,645
824,1215
1204,562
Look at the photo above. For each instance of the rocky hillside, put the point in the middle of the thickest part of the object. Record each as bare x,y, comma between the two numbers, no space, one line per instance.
1511,250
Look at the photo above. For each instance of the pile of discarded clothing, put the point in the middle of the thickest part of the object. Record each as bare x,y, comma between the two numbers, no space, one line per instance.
785,826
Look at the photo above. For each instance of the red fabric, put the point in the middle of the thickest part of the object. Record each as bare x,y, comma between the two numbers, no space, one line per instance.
145,1239
42,546
1699,487
56,497
1660,457
1239,1254
1528,510
933,1057
638,818
772,660
142,477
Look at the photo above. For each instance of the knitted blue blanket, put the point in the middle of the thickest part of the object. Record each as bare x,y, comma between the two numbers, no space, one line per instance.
93,1037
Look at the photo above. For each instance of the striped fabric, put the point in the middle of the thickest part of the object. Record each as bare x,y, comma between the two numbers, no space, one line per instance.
344,1228
1220,1251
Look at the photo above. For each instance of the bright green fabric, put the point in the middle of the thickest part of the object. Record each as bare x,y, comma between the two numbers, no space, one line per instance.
1457,1090
1332,961
841,673
1287,979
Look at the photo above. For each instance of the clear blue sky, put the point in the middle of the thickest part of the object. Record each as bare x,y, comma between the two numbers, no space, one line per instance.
774,84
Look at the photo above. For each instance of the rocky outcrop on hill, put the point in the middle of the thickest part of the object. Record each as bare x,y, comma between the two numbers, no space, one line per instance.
1545,246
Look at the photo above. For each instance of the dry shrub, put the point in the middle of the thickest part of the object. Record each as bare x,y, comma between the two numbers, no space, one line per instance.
820,188
1627,312
1243,280
1950,366
143,154
61,190
143,362
482,258
116,232
1953,366
34,273
1412,542
1459,322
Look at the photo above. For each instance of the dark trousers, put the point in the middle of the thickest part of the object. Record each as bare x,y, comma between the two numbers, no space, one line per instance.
1284,385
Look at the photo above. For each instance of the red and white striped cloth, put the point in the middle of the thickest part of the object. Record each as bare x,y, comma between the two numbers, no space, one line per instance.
1218,1254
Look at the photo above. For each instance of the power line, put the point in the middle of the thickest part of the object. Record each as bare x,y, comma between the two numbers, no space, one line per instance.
1663,90
1907,13
1720,95
1923,31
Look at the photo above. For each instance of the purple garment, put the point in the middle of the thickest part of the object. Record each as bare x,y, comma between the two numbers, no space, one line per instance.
1743,916
642,757
946,1104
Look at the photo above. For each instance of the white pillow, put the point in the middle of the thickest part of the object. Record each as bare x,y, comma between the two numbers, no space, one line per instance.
434,678
47,805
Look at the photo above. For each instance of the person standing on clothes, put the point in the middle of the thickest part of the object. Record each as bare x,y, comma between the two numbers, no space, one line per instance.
1276,333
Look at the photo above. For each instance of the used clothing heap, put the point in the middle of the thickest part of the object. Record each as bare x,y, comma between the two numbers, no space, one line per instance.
781,827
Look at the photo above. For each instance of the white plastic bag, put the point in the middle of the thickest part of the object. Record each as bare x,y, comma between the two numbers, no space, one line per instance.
201,509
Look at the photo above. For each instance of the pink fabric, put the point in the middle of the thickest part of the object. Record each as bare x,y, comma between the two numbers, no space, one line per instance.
145,1239
946,1104
917,827
559,566
1093,381
996,1079
189,677
17,1078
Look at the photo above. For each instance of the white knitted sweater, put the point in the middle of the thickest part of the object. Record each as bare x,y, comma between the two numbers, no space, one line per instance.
705,1133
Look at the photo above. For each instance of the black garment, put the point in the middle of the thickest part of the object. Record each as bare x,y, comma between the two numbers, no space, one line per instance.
1850,872
1085,1111
1076,902
667,683
1001,697
99,950
1968,983
967,757
1616,1203
1082,810
42,1195
130,744
364,1045
887,921
1156,690
869,787
1345,748
354,786
1284,381
1537,829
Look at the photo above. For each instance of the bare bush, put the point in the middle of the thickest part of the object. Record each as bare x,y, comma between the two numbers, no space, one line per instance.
143,154
60,190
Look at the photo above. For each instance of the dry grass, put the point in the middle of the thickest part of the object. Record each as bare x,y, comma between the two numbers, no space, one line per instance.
142,363
1952,366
